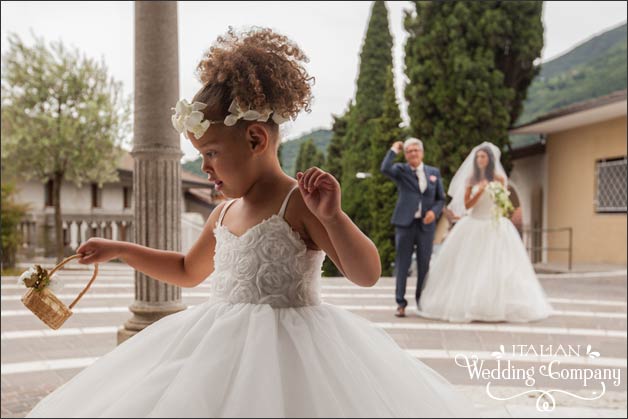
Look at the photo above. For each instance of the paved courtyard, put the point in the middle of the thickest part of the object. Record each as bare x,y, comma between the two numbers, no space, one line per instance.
590,309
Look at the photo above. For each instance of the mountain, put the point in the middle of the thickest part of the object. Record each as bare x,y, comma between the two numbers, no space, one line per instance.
592,69
194,166
290,148
289,151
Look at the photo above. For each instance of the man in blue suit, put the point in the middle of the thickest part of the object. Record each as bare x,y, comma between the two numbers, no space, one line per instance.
420,202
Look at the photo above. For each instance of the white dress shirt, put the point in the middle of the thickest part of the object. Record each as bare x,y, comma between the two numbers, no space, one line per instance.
422,186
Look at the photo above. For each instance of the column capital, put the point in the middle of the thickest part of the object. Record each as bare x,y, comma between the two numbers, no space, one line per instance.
156,152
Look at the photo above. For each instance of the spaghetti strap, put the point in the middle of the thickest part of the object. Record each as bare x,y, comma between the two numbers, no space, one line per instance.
224,209
282,210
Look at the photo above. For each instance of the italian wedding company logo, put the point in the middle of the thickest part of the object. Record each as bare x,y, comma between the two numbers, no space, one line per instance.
551,357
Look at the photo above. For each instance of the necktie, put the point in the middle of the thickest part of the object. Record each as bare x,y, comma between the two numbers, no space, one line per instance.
420,174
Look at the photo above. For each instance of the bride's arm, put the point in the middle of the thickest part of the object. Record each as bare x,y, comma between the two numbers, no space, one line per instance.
470,201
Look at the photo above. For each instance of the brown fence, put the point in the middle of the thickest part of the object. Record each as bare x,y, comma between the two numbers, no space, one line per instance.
533,240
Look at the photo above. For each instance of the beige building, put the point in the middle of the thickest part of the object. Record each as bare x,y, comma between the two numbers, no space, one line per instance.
572,181
90,211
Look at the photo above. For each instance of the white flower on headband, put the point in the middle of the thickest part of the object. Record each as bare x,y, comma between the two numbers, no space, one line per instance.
237,113
251,115
279,119
188,117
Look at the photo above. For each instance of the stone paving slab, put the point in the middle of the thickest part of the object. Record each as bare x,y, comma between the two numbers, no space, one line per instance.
20,391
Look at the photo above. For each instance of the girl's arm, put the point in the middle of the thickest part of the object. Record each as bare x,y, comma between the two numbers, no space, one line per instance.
175,268
333,231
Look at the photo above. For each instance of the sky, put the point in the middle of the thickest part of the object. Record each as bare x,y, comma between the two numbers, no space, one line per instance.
330,33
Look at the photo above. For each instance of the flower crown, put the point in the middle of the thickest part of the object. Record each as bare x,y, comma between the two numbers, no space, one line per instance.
188,117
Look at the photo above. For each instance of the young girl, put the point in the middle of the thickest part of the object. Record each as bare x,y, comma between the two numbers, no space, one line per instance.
263,344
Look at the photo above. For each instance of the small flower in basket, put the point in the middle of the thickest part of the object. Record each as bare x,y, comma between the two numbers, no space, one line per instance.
40,297
38,278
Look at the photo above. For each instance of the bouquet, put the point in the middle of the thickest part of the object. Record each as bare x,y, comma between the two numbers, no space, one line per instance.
502,206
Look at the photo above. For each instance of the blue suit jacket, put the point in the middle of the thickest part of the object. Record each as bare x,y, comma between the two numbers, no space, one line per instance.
409,194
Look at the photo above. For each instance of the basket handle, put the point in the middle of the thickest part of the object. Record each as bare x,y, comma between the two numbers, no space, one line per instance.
89,284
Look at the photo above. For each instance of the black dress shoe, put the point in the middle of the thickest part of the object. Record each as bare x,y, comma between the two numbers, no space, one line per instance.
401,312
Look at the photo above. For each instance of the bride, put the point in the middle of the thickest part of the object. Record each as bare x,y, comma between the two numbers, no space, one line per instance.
482,271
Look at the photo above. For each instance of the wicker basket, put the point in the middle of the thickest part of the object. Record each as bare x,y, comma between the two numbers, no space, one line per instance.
45,305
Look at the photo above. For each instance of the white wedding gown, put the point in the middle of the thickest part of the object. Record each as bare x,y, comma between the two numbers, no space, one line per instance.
482,272
263,345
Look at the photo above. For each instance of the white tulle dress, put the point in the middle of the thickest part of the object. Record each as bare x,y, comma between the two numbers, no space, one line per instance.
263,345
482,272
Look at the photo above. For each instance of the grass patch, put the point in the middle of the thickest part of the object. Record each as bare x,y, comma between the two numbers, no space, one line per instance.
12,271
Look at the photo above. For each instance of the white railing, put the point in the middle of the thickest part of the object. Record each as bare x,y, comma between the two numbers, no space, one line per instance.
78,228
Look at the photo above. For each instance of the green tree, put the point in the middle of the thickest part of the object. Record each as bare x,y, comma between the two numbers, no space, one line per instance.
375,60
63,118
279,156
12,214
309,156
519,41
381,190
333,163
469,65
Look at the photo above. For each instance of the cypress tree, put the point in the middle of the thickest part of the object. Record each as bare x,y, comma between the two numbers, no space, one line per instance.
375,59
519,44
382,192
279,150
308,156
469,65
333,164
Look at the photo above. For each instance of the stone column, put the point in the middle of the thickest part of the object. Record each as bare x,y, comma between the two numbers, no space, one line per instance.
74,235
157,154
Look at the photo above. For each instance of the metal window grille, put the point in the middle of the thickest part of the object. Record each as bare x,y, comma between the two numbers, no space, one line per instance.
611,185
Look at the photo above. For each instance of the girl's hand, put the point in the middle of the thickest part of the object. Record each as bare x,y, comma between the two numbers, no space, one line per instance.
97,250
321,193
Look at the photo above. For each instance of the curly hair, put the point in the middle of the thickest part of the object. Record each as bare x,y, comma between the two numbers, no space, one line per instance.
260,69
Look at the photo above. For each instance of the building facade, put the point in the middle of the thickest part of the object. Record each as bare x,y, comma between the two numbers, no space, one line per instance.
91,211
571,184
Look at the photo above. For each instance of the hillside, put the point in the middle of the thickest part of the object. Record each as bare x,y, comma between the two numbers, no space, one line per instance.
594,68
194,166
290,149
